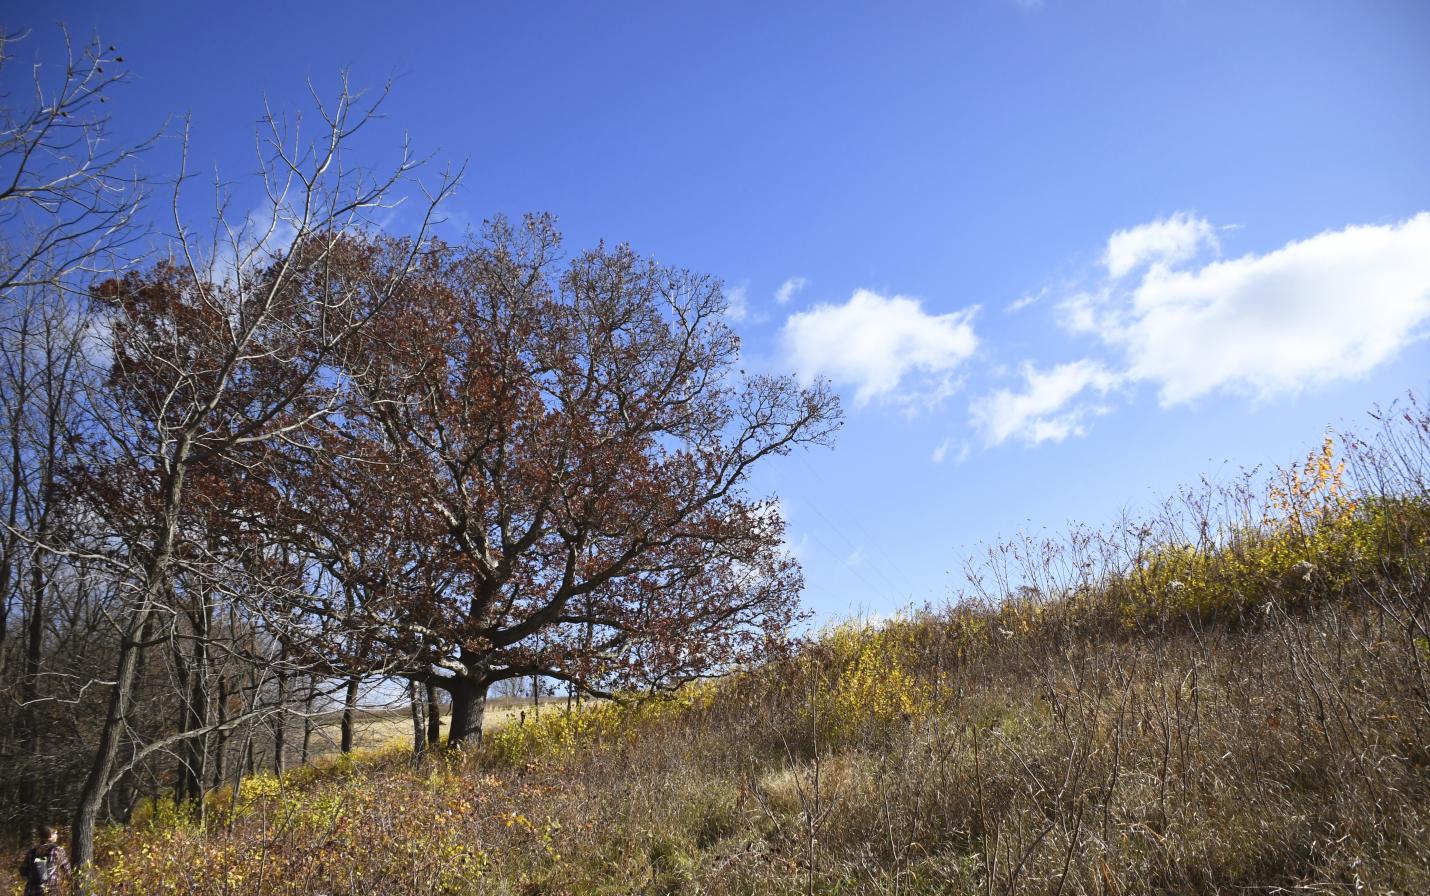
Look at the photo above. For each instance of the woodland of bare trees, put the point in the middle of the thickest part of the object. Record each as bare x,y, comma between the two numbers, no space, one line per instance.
257,462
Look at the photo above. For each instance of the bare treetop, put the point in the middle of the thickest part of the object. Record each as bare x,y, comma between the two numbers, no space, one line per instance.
68,191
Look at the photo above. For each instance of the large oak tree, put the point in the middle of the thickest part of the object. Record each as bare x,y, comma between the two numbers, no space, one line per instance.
553,455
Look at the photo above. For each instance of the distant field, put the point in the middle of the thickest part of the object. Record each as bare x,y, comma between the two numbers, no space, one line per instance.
377,726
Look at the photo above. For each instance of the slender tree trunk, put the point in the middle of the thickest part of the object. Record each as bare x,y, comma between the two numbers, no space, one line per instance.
308,720
418,703
280,728
349,711
184,773
280,739
194,753
35,635
221,740
30,715
119,803
5,609
469,705
35,638
5,565
121,695
97,784
197,750
434,715
17,480
237,783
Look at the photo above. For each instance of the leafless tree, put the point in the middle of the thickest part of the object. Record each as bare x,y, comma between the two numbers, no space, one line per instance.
49,597
69,193
208,355
69,196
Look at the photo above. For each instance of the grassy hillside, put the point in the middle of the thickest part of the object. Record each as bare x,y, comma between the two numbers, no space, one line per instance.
1230,695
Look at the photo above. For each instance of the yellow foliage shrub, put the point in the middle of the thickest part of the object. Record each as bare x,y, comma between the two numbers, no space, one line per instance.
1311,537
866,682
561,733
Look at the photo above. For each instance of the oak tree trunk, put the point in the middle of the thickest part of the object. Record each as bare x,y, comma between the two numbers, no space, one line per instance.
469,705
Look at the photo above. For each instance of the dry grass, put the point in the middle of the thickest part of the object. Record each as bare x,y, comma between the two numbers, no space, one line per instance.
1100,731
1288,756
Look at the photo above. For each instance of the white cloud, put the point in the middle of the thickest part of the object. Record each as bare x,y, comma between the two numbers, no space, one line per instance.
941,451
1325,308
1046,409
855,558
788,289
1167,241
886,347
737,303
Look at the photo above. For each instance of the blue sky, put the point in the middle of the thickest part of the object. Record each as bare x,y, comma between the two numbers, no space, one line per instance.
1058,257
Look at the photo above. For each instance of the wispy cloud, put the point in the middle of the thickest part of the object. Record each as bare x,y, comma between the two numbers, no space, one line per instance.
788,289
1051,405
940,454
1025,301
267,232
798,548
885,347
